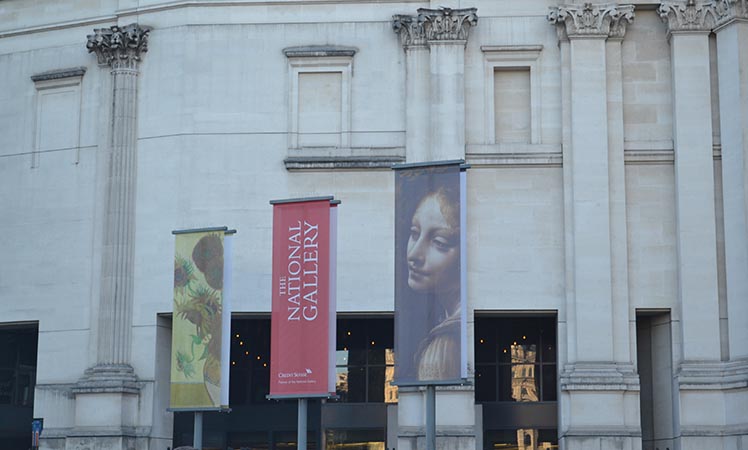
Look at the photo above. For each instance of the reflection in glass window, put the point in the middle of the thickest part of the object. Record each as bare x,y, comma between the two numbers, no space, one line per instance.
365,361
521,439
354,439
515,359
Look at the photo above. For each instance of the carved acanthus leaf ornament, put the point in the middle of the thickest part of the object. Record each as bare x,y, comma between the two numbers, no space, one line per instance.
688,16
119,46
410,29
591,20
728,10
447,24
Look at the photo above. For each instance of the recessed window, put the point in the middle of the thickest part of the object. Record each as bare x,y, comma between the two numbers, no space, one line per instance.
57,118
365,361
515,360
512,94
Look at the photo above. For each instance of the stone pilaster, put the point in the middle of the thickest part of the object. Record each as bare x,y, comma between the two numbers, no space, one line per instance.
599,363
447,31
107,395
697,355
417,87
732,60
689,25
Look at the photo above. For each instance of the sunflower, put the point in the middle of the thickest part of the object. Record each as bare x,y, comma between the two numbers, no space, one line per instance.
208,257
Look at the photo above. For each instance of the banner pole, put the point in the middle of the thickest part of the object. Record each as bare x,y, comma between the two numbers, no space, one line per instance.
301,436
430,417
197,437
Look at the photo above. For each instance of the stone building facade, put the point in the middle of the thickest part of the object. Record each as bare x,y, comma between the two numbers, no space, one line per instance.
608,193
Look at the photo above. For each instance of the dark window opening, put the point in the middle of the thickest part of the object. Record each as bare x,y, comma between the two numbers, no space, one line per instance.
18,354
515,359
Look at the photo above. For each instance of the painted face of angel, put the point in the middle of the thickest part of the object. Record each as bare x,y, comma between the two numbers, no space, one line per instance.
433,246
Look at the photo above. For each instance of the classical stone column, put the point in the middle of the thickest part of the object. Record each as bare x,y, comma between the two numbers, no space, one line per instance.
598,362
732,63
447,32
417,87
107,395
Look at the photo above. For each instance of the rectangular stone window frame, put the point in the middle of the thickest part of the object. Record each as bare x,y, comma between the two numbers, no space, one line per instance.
327,62
51,83
497,57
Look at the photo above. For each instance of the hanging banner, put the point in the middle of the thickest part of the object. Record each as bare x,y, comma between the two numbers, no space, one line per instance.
430,305
303,310
201,322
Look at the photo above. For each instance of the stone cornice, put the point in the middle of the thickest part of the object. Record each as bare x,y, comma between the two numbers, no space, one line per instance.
447,24
730,10
592,20
119,46
688,16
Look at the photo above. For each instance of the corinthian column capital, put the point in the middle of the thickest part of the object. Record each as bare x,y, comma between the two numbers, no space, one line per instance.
688,16
410,29
119,46
447,24
590,20
729,10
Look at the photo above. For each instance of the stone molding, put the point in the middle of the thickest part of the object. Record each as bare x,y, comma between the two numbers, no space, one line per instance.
298,163
688,16
709,375
599,377
59,74
119,47
319,51
731,10
591,20
409,29
108,378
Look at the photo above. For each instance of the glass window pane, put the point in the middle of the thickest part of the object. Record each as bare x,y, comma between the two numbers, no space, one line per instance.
485,341
260,385
354,439
521,439
505,383
376,384
341,383
356,384
549,383
525,386
485,383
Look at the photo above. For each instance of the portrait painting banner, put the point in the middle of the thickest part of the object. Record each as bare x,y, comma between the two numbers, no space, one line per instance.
303,298
201,320
430,305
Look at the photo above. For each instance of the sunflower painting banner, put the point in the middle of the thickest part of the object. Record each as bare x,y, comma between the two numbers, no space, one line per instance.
201,321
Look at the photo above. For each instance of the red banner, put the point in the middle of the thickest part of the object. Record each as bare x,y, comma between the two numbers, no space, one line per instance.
302,305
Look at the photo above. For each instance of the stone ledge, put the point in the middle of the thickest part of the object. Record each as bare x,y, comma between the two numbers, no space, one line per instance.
710,375
715,430
299,163
602,432
319,51
441,431
100,432
514,159
59,74
599,377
